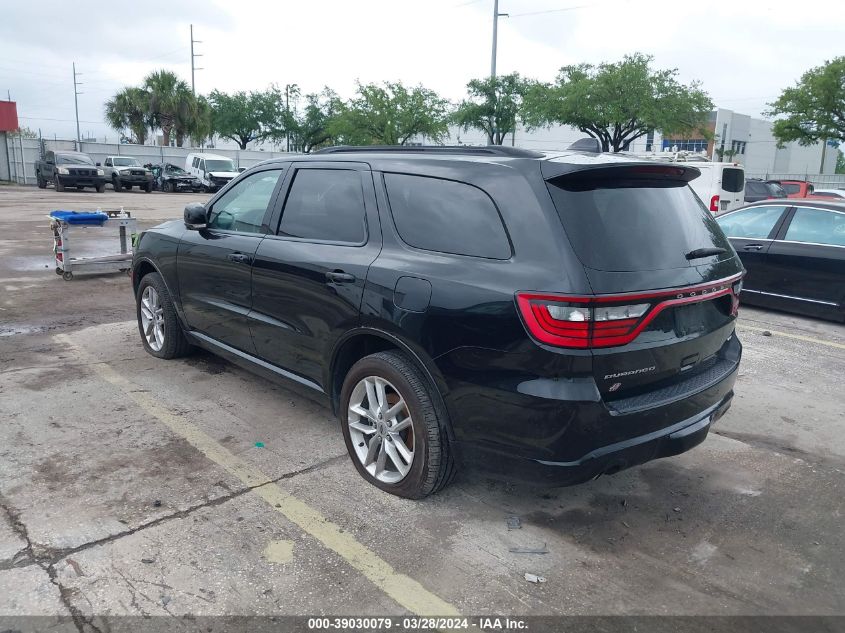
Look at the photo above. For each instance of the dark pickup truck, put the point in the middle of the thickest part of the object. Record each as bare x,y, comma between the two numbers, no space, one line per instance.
69,169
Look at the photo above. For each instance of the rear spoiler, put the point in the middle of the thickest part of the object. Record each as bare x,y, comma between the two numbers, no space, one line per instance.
616,169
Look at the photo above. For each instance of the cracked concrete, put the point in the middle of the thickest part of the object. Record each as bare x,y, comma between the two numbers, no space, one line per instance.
107,512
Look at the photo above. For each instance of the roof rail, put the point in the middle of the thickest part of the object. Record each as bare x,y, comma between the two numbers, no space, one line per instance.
482,150
586,144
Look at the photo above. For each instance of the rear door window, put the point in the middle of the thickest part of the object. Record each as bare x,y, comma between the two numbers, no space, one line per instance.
817,226
733,179
625,223
446,216
753,223
325,205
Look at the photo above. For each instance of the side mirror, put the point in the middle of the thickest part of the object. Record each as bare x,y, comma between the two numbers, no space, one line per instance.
241,170
196,216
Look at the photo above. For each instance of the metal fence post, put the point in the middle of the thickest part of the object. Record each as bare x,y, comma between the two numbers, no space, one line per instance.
23,158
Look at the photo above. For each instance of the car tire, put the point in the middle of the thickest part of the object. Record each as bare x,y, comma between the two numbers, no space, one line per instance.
42,183
422,432
60,186
170,186
148,187
101,188
153,304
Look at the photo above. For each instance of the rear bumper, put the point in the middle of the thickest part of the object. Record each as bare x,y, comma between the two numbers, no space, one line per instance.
604,460
567,437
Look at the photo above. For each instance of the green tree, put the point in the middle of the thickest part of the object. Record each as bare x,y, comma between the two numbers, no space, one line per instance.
840,162
170,100
390,114
493,106
246,117
617,103
129,110
312,128
814,108
186,119
200,127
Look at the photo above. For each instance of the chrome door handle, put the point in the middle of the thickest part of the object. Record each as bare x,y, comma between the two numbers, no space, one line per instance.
239,258
340,277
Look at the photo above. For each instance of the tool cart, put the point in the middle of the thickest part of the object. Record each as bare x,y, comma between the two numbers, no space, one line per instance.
74,230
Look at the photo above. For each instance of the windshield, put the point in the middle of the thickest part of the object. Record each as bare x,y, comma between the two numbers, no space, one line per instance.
125,162
176,171
625,224
73,159
219,165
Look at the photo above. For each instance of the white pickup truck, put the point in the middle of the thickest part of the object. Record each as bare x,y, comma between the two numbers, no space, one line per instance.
126,172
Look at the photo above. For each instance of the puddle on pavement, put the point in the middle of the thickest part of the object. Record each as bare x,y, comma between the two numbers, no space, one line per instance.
17,330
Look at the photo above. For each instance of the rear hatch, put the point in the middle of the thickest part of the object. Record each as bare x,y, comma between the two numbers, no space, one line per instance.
665,278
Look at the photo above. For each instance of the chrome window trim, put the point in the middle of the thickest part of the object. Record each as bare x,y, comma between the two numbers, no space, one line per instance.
809,243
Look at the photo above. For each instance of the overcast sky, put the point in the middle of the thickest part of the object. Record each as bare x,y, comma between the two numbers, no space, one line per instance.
743,51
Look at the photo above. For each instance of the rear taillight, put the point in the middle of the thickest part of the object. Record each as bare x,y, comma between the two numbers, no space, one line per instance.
608,320
714,204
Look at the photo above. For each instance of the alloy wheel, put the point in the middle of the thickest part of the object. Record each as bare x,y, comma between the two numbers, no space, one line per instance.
152,318
381,429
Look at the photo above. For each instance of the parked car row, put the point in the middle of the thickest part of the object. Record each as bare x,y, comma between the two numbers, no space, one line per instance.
202,172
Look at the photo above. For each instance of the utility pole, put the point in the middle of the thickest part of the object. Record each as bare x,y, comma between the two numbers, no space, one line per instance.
193,56
824,151
496,16
76,94
287,116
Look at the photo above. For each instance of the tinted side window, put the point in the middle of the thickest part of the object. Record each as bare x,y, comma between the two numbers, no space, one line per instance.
755,188
754,223
790,189
325,204
817,226
242,208
732,179
446,216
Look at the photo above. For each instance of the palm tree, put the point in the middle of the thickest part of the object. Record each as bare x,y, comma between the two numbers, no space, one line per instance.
200,127
186,114
129,109
169,99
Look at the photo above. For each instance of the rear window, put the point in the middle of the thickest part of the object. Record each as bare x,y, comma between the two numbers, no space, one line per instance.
756,188
624,224
790,189
446,216
732,179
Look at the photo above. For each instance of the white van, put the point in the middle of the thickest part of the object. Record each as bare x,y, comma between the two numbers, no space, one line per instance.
212,170
721,186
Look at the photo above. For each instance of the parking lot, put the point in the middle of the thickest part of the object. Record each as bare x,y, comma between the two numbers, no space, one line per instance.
134,486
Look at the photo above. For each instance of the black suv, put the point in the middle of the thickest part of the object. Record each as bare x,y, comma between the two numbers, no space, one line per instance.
549,317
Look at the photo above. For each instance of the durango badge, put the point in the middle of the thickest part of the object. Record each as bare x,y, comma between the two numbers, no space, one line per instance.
633,372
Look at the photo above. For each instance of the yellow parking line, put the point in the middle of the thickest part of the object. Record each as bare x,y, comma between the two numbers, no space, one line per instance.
404,590
797,337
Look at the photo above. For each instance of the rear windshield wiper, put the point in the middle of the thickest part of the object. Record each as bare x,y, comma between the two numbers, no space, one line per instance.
698,253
